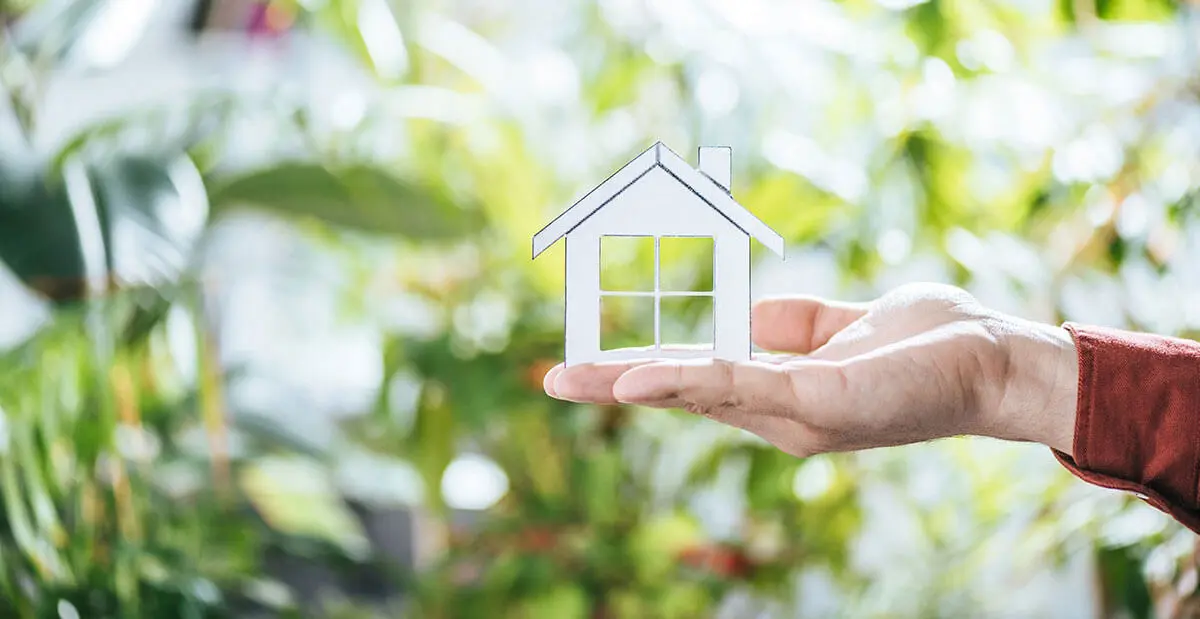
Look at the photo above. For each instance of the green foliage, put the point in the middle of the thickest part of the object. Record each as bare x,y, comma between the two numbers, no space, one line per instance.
1120,570
356,197
38,240
107,503
44,243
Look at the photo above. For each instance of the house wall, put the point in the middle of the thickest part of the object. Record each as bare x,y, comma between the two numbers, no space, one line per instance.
658,205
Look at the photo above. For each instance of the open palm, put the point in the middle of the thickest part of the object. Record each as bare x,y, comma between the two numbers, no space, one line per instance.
923,361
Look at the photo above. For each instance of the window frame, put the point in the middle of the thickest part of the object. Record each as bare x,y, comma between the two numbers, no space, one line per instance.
658,293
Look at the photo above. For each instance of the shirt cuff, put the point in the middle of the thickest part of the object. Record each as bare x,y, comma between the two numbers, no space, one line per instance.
1137,423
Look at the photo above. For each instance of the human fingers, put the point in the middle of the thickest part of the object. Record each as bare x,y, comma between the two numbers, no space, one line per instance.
587,379
703,385
804,390
548,380
794,437
590,382
752,396
800,324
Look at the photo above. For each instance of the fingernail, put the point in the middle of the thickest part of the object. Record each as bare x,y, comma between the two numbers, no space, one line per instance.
560,392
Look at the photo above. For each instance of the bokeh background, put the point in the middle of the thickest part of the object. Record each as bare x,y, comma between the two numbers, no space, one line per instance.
271,341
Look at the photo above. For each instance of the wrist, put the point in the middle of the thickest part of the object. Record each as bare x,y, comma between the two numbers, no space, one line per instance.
1040,390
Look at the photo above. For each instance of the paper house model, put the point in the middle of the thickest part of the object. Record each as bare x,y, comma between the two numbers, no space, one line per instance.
660,196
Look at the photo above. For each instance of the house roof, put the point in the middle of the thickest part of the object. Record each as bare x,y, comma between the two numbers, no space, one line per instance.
658,156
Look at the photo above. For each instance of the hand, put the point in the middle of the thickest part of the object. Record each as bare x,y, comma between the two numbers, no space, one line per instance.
924,361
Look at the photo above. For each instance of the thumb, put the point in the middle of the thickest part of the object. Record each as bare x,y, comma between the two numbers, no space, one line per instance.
800,324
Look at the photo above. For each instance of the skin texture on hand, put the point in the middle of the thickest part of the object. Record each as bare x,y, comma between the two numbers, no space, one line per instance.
923,361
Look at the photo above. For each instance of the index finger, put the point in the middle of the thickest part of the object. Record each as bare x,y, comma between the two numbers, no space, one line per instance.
593,382
710,385
801,389
588,382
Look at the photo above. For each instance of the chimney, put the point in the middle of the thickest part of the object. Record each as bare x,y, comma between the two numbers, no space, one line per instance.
716,162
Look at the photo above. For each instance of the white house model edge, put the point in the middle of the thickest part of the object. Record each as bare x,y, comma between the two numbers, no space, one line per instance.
658,194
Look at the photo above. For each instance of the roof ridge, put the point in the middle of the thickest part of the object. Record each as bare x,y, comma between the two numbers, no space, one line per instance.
711,192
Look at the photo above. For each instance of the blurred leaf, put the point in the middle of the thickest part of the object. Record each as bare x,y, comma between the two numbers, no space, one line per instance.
516,188
341,17
624,603
1124,589
656,544
1135,10
271,432
150,309
769,480
357,197
565,601
434,433
51,29
602,486
928,27
38,240
616,80
295,497
151,213
473,407
545,458
774,198
194,125
683,601
706,467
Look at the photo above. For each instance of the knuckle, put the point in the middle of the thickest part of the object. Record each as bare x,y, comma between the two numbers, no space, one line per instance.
726,377
817,337
822,382
822,443
929,297
677,377
697,408
806,444
839,378
725,385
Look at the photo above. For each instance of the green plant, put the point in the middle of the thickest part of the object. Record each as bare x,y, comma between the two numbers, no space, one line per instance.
865,164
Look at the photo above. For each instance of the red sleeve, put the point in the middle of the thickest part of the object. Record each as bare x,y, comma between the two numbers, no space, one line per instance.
1137,426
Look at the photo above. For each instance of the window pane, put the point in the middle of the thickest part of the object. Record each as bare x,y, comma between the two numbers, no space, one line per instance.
626,322
686,322
627,263
686,263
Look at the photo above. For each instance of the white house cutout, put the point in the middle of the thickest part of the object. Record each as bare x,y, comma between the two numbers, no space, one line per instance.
659,195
